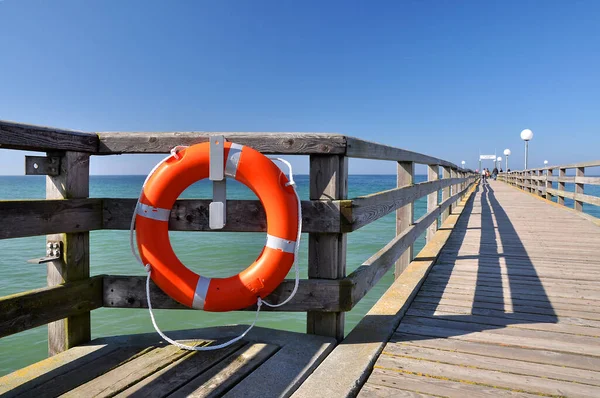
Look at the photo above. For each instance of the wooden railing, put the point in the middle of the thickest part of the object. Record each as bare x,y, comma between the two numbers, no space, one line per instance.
540,182
67,215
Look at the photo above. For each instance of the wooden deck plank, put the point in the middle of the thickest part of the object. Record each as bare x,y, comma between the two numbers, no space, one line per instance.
177,374
489,378
219,379
120,378
510,306
423,384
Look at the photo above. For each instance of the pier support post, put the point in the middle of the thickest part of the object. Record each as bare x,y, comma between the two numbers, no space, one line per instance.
327,251
455,188
445,193
579,172
71,183
433,174
549,173
561,185
405,215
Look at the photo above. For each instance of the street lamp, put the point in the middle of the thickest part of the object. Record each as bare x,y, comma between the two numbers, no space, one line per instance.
463,164
499,162
546,165
507,154
526,135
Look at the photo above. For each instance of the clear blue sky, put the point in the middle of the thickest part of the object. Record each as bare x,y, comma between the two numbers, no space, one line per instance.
446,78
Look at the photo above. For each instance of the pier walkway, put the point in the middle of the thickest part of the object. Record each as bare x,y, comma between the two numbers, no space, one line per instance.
509,308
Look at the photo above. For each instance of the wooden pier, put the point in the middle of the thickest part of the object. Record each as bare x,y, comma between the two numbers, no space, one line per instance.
501,301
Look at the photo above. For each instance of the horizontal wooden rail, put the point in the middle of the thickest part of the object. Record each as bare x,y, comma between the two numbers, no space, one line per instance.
366,209
242,215
322,295
38,307
358,148
22,218
593,200
371,271
268,143
38,138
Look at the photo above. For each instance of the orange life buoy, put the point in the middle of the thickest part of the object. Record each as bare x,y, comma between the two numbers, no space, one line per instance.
278,198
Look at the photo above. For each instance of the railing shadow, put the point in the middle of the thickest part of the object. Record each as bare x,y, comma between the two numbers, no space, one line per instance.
471,291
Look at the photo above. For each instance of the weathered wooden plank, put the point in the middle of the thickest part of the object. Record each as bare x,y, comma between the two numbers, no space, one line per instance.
313,294
131,372
527,355
405,215
217,380
22,218
38,138
575,180
495,319
592,163
420,385
71,183
167,380
358,148
376,390
267,143
84,373
38,307
578,197
366,209
490,378
578,205
22,380
327,252
446,192
42,165
529,338
242,215
468,308
433,174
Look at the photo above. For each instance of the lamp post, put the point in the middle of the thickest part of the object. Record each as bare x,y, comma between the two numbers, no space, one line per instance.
507,154
463,164
546,165
526,135
499,162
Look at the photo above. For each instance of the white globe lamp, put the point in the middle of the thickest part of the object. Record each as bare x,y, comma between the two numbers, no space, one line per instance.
526,135
507,153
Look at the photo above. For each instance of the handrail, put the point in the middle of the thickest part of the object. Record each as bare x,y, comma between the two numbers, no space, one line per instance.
540,182
327,217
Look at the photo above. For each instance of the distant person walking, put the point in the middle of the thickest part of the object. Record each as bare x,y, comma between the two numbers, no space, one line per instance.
495,173
483,175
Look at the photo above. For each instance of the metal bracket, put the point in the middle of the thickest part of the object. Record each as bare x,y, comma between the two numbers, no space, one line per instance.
53,253
217,208
42,165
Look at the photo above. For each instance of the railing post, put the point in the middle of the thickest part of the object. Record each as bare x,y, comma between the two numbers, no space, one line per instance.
561,185
327,252
433,174
539,184
579,172
445,192
455,188
405,215
549,173
71,183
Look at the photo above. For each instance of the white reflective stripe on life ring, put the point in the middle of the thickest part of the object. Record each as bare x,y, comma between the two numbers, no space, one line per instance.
200,293
155,213
284,245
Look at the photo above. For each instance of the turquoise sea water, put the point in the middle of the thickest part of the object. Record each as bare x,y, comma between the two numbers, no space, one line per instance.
209,253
